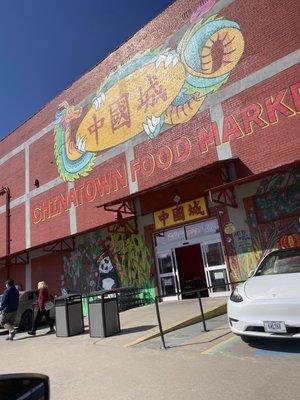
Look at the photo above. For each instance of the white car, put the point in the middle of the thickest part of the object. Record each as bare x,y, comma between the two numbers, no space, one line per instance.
27,310
267,305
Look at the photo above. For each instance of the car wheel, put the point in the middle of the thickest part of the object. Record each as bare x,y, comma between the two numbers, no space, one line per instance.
248,339
26,321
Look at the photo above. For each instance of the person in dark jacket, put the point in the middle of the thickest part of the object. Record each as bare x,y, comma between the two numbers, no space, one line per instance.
43,298
9,307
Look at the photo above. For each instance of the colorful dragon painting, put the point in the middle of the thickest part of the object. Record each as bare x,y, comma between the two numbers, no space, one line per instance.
164,86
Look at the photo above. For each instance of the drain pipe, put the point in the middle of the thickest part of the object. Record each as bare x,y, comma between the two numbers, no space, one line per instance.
5,191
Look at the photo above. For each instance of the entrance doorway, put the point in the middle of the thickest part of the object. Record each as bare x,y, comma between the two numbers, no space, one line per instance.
191,268
191,257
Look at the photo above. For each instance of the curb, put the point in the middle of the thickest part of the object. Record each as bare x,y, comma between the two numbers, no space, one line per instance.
215,312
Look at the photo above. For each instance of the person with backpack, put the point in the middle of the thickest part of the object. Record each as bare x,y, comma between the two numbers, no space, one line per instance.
44,304
9,307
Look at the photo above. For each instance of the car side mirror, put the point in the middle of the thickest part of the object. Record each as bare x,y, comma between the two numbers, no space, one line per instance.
24,386
251,273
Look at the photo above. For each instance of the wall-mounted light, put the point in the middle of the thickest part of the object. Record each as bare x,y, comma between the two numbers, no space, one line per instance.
37,183
176,197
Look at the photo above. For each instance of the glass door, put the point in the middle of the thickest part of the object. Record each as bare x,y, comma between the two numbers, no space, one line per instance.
168,274
215,268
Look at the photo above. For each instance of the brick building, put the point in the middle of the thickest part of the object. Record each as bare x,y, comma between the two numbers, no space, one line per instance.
174,163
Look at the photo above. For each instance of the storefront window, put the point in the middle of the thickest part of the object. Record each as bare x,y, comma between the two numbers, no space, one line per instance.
214,254
165,264
187,232
218,278
170,236
202,229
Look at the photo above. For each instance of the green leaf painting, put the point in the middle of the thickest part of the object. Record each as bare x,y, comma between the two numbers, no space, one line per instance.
129,254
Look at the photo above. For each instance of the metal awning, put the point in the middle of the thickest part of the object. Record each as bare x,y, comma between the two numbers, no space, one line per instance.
124,201
251,178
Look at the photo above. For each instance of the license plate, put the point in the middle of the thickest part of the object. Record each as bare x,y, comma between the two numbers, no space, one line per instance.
275,326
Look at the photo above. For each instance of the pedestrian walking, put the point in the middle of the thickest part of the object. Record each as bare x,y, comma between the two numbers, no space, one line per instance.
9,307
44,304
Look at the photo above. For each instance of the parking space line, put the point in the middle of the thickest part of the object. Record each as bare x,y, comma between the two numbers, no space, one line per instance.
225,344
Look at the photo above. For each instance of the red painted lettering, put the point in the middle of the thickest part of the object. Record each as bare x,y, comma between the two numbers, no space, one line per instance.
277,106
119,178
208,137
103,184
295,91
90,191
72,198
37,215
148,164
164,157
134,168
231,128
54,207
252,115
63,199
181,149
79,192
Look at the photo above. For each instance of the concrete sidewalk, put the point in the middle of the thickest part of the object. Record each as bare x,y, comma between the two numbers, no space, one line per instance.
140,324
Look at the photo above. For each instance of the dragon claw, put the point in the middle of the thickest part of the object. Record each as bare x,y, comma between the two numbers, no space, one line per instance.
166,60
81,144
152,126
175,60
98,100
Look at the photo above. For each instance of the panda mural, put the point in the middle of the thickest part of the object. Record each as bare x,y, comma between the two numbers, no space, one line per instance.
108,277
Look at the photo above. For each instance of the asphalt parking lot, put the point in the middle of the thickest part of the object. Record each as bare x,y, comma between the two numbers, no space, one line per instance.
214,365
219,340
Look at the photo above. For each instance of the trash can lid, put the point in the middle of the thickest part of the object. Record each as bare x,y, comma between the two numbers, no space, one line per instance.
67,296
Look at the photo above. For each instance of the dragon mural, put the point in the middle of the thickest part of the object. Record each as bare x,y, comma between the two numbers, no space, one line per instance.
161,87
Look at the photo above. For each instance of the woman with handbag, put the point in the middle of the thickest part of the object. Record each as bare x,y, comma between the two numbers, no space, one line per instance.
44,306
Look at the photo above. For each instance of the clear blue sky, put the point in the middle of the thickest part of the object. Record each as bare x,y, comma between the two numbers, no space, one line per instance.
45,45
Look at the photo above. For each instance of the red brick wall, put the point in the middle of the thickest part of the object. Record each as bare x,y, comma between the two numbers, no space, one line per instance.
267,20
88,215
163,151
17,230
12,175
16,272
270,31
277,143
48,268
51,228
46,170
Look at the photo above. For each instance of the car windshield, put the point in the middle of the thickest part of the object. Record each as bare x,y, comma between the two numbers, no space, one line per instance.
285,262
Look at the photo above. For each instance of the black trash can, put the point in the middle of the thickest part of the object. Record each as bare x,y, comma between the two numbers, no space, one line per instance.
104,319
69,315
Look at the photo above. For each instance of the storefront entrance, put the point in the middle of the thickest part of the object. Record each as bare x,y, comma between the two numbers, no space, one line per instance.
191,257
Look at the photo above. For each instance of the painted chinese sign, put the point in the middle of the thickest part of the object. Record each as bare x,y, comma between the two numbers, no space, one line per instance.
162,86
185,212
